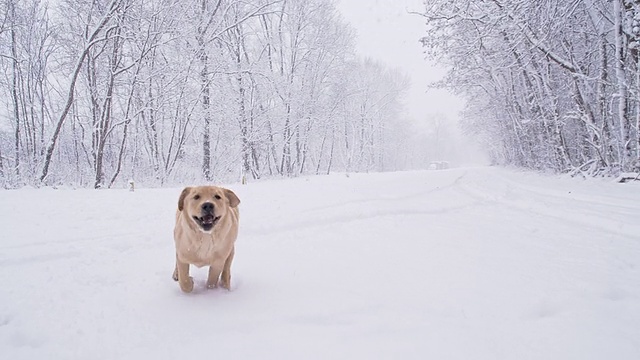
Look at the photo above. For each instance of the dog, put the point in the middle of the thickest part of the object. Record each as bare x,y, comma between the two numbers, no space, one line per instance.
206,229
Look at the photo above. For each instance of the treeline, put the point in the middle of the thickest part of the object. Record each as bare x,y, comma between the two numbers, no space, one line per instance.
550,84
97,92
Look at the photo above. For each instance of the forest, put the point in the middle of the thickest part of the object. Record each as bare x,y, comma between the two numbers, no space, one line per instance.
98,93
551,85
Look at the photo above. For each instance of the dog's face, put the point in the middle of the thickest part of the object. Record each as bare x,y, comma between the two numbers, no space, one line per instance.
206,205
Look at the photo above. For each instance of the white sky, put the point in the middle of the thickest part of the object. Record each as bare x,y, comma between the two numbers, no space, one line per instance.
389,34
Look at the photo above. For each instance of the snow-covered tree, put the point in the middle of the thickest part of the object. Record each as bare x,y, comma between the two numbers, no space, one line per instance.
97,92
550,84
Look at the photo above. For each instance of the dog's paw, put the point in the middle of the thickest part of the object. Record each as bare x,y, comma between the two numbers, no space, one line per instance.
226,285
187,286
175,276
211,285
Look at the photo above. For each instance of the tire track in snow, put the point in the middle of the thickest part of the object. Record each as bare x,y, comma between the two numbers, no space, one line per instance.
410,204
595,215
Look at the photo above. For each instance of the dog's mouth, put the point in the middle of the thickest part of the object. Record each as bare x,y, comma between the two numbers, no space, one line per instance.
206,222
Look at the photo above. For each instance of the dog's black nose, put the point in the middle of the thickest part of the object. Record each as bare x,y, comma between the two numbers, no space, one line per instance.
207,207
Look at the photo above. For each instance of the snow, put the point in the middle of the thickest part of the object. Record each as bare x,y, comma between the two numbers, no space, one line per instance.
471,263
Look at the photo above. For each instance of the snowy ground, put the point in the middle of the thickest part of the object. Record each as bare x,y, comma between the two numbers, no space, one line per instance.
477,263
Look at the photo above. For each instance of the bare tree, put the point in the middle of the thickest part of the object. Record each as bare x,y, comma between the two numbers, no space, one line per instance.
171,91
92,38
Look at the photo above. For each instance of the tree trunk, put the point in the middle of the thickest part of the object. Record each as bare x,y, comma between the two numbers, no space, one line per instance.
14,88
2,174
206,131
333,137
624,152
285,163
206,20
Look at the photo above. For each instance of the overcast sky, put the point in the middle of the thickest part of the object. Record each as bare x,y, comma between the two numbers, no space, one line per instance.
389,34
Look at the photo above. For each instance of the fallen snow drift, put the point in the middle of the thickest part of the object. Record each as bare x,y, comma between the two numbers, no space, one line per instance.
476,263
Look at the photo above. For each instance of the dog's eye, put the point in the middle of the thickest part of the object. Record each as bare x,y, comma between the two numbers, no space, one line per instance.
217,197
197,197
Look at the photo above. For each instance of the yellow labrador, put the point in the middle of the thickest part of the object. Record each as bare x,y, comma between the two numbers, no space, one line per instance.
205,234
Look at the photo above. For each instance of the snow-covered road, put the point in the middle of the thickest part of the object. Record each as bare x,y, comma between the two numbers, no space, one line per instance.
474,263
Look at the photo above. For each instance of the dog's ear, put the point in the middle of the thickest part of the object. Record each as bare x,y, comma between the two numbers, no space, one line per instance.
233,198
183,195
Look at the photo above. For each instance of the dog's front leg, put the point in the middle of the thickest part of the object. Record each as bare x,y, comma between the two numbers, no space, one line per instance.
185,281
214,274
226,271
175,270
